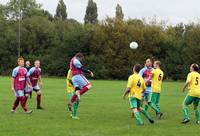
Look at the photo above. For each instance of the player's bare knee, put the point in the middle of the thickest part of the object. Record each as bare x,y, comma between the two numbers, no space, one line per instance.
89,86
38,92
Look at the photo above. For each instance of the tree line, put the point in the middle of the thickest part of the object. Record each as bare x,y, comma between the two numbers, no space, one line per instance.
54,39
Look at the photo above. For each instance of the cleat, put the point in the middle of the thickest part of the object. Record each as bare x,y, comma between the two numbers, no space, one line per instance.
198,122
151,121
70,106
13,111
159,115
40,108
75,117
185,121
29,112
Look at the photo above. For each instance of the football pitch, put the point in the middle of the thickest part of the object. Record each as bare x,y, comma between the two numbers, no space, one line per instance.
102,112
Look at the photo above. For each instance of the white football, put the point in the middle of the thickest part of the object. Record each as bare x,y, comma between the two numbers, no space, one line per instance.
133,45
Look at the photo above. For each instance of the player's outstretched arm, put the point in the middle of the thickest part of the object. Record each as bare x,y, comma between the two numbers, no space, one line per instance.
126,93
40,80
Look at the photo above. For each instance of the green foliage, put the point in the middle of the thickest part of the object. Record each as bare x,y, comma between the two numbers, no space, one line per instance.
91,13
105,44
61,11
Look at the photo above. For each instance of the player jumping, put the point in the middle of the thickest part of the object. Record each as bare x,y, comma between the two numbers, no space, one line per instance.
193,95
135,88
19,80
81,84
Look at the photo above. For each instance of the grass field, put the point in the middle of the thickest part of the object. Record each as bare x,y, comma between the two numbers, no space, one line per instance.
103,112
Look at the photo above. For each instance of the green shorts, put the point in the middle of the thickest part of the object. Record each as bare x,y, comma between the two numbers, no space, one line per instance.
154,97
190,99
134,102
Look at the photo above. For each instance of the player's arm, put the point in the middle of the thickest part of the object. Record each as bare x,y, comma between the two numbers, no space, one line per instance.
28,81
40,80
128,89
187,82
79,66
126,92
12,84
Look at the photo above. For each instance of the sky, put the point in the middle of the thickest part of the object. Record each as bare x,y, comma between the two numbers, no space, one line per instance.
170,11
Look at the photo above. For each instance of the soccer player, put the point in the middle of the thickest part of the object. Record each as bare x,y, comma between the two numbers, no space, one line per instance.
28,65
70,93
35,76
135,88
81,84
193,95
156,77
145,73
19,79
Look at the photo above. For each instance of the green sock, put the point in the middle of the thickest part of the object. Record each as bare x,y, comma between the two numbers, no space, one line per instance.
146,107
138,118
145,113
154,107
74,109
197,116
185,112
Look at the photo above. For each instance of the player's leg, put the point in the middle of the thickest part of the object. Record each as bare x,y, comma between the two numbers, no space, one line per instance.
38,97
23,102
146,99
144,112
134,107
152,103
187,101
16,102
157,101
197,114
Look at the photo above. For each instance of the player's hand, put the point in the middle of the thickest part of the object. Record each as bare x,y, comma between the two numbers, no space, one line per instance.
41,84
91,74
13,89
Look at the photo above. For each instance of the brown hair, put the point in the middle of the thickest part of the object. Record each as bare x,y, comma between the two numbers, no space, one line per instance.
79,55
157,62
19,59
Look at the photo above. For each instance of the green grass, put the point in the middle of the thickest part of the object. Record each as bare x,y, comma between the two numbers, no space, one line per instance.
102,110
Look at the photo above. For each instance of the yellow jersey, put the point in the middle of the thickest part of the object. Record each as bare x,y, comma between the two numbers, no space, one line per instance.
137,86
157,78
193,80
70,87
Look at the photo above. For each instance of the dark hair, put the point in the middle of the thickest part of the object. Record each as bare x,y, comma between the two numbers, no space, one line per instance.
149,59
195,67
79,55
158,62
137,68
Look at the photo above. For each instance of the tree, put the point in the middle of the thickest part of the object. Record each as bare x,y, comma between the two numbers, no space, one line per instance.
119,13
61,11
23,7
91,13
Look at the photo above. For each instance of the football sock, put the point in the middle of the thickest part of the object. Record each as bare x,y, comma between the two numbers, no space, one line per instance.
185,112
138,118
16,103
145,113
38,100
197,116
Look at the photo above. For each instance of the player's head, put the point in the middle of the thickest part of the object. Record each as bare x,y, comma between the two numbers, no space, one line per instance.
148,62
156,64
28,64
136,68
37,63
79,56
194,67
20,61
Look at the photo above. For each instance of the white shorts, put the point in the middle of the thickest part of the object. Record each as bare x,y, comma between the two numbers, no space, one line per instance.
19,93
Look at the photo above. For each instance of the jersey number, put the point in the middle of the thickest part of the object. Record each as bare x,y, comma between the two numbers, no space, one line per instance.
139,83
197,81
160,77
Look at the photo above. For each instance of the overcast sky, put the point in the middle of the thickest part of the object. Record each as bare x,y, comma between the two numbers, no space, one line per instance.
172,11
